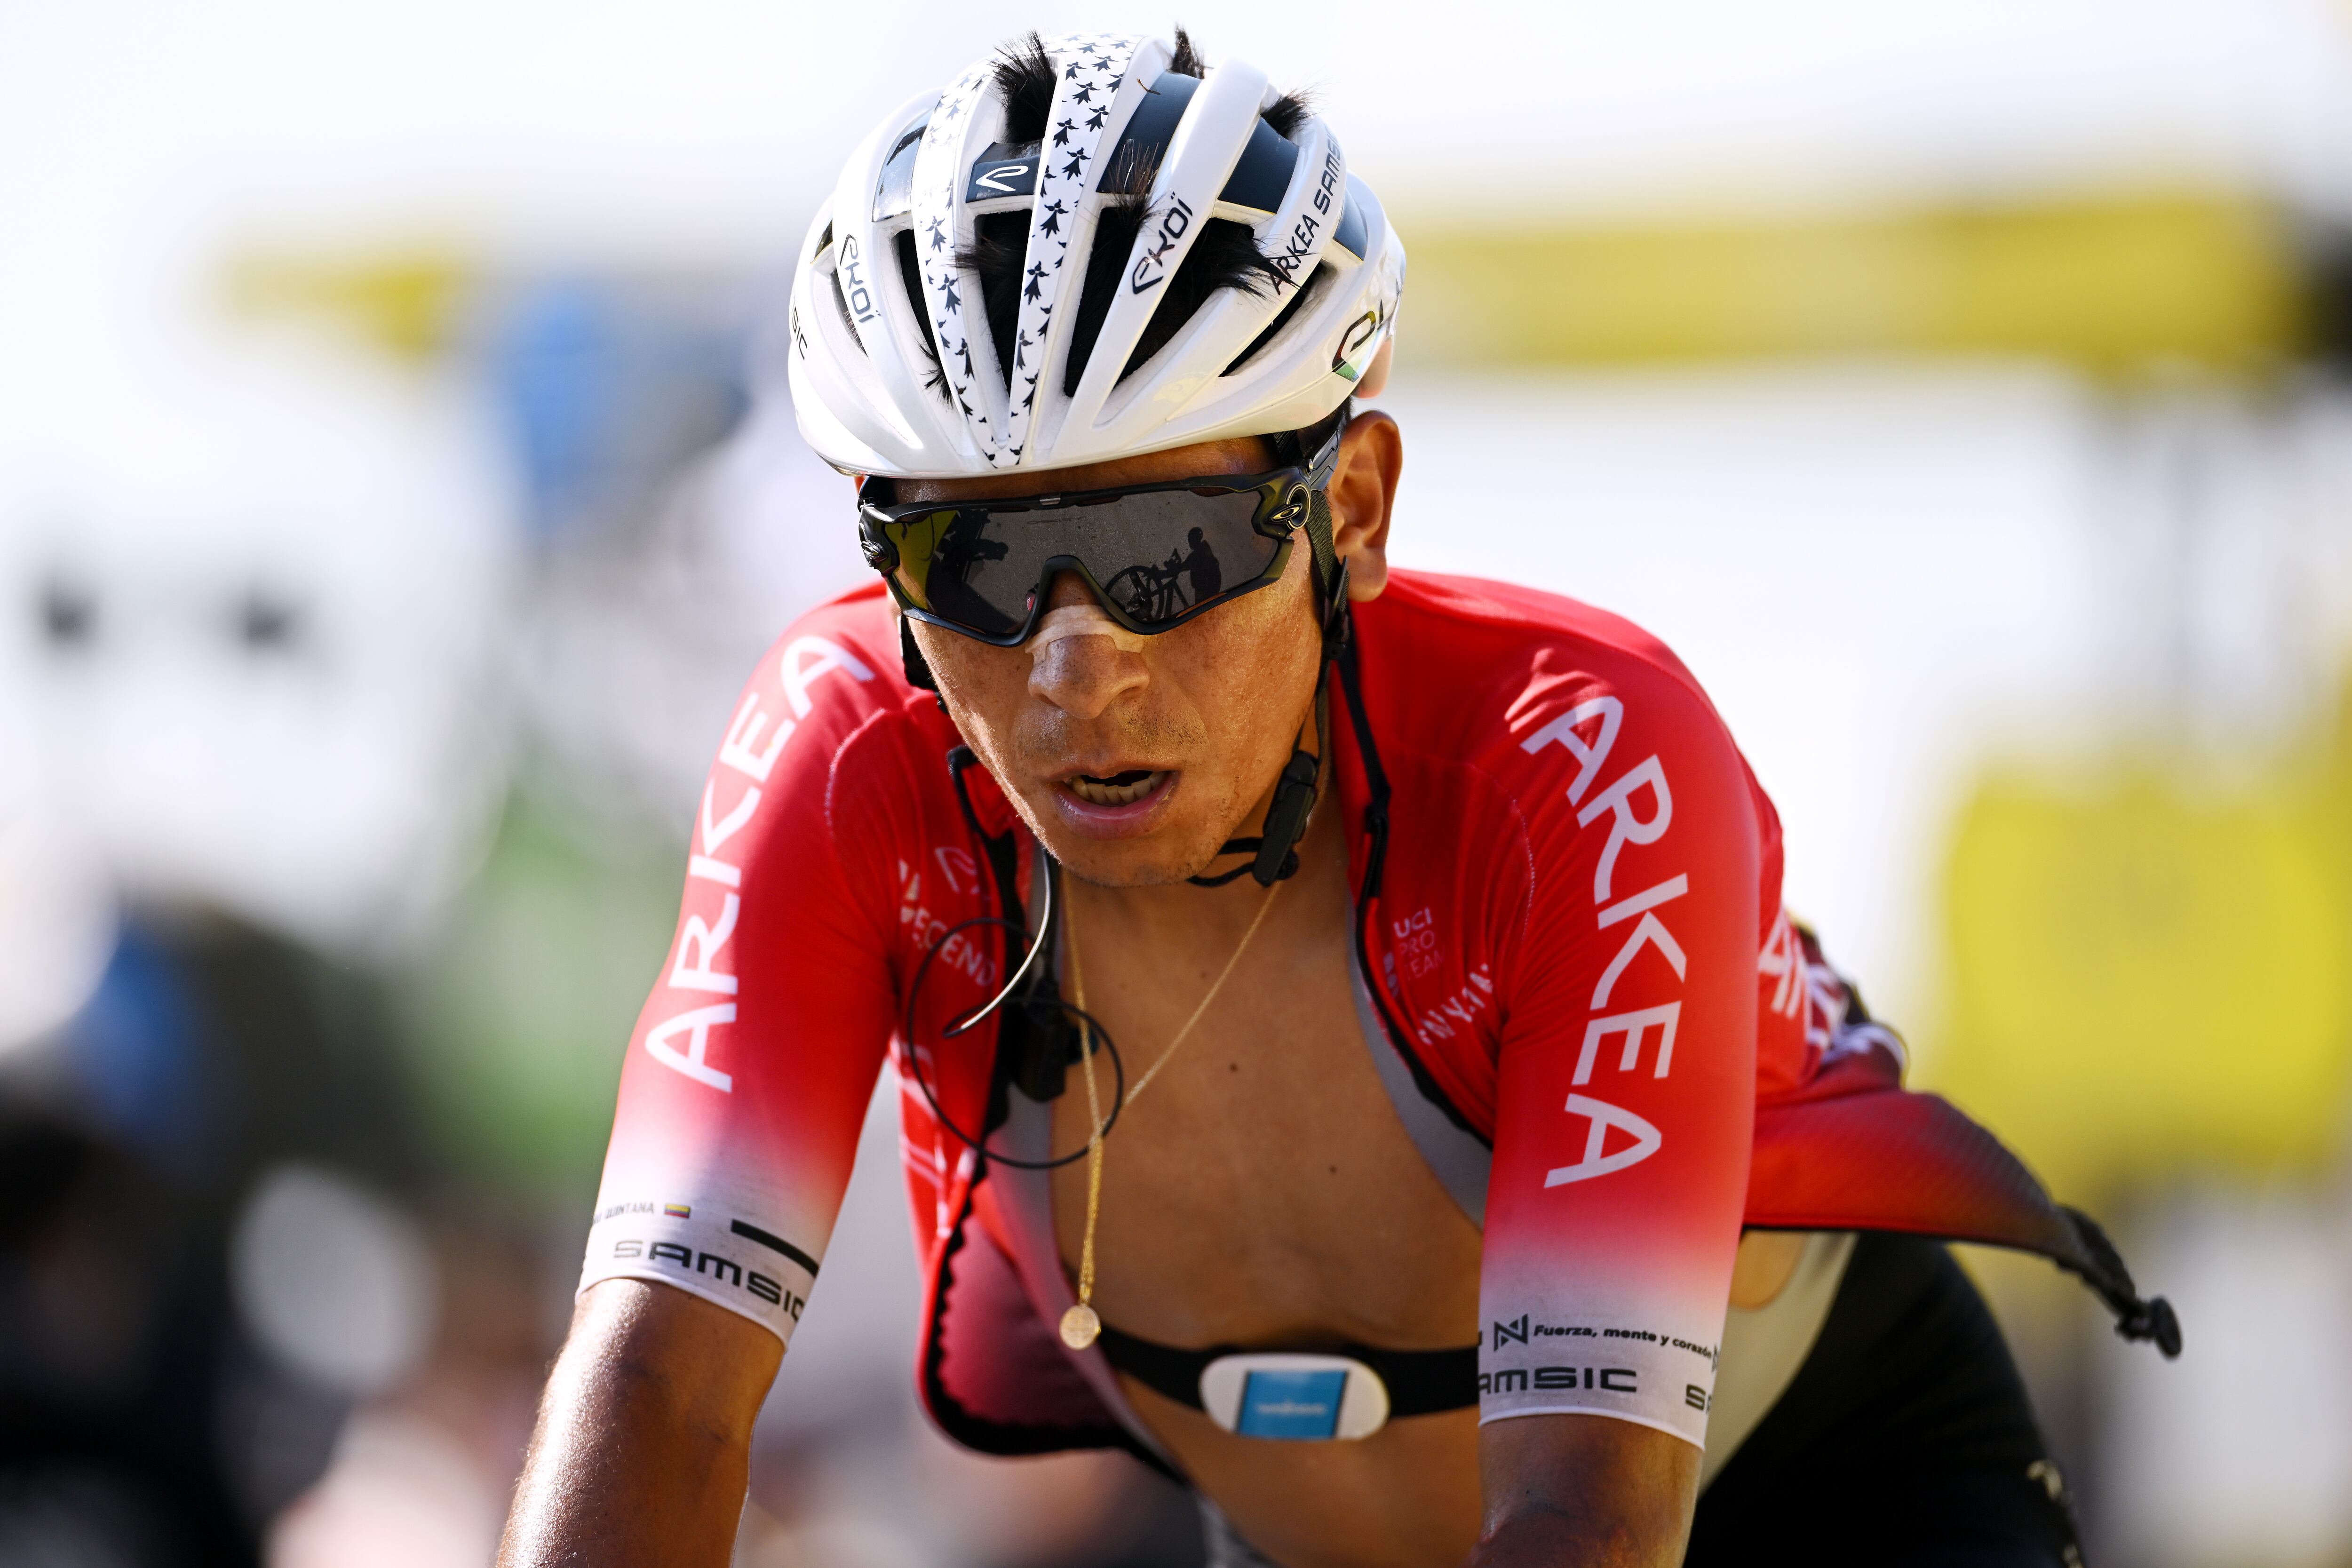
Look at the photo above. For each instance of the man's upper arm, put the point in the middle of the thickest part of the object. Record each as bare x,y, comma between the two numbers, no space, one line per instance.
1625,1082
752,1066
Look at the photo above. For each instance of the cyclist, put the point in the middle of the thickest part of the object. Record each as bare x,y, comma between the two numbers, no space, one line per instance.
1354,1056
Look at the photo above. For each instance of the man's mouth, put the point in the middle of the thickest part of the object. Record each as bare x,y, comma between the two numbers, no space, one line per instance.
1118,789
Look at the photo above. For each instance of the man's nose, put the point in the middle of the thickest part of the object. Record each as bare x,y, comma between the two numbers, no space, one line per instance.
1083,663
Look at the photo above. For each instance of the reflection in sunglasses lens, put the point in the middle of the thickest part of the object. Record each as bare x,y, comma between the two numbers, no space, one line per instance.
1155,556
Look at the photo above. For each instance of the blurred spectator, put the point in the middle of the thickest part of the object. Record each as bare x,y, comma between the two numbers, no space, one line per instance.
196,1275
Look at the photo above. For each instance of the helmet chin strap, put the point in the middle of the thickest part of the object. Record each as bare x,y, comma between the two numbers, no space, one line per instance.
1275,851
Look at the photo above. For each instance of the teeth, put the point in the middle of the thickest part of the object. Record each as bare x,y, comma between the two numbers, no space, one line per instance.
1101,791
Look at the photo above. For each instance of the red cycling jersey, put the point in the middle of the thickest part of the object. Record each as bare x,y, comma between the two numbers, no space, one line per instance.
1574,938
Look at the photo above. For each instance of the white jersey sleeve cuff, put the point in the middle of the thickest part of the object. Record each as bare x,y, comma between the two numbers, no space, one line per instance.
730,1262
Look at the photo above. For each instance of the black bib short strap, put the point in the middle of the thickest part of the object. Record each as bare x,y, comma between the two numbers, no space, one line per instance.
1420,1383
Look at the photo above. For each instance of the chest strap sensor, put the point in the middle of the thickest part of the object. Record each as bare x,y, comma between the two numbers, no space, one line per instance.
1300,1394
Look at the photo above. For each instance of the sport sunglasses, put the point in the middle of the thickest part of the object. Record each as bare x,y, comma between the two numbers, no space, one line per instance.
1156,555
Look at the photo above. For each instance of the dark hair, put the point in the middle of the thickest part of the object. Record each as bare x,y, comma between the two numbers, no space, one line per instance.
1224,255
1026,79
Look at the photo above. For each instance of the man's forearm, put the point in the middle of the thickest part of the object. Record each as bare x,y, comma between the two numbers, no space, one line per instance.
1583,1491
644,1442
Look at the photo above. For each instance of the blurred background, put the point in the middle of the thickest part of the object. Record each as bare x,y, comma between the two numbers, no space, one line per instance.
397,482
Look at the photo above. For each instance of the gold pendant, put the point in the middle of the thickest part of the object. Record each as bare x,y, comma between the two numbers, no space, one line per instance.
1080,1327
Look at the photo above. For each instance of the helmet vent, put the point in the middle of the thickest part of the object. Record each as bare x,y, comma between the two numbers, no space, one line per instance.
894,193
910,273
1282,318
1115,231
999,256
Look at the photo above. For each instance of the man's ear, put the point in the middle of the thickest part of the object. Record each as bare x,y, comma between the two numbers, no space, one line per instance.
1363,492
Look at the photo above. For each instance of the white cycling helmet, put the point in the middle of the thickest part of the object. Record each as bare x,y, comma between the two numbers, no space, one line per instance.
1094,165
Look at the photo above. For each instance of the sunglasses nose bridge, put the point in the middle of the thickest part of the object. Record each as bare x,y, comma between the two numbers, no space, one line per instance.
1054,591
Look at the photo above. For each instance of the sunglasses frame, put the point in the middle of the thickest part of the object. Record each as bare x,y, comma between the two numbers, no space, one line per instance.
1286,496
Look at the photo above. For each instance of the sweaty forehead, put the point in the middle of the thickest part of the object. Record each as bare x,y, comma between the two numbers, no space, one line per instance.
1236,455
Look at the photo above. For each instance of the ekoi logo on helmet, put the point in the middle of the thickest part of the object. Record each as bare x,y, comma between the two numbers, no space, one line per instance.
1152,268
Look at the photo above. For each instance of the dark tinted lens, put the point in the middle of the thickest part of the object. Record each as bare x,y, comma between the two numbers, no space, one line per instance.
952,564
1160,553
1156,554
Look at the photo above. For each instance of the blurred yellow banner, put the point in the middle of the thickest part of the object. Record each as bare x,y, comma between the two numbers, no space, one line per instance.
405,300
2109,282
2146,979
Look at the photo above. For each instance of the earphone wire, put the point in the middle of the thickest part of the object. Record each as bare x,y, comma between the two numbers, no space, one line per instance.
1036,946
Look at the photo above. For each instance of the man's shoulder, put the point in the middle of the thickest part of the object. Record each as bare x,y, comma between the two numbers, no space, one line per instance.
858,622
831,763
1542,730
1474,667
831,687
854,634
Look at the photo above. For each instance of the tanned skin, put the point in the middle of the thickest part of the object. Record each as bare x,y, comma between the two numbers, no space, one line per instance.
643,1445
642,1448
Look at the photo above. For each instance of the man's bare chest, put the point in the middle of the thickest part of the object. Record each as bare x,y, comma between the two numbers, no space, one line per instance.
1263,1191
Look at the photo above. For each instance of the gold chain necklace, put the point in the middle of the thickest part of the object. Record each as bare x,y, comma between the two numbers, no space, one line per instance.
1080,1324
